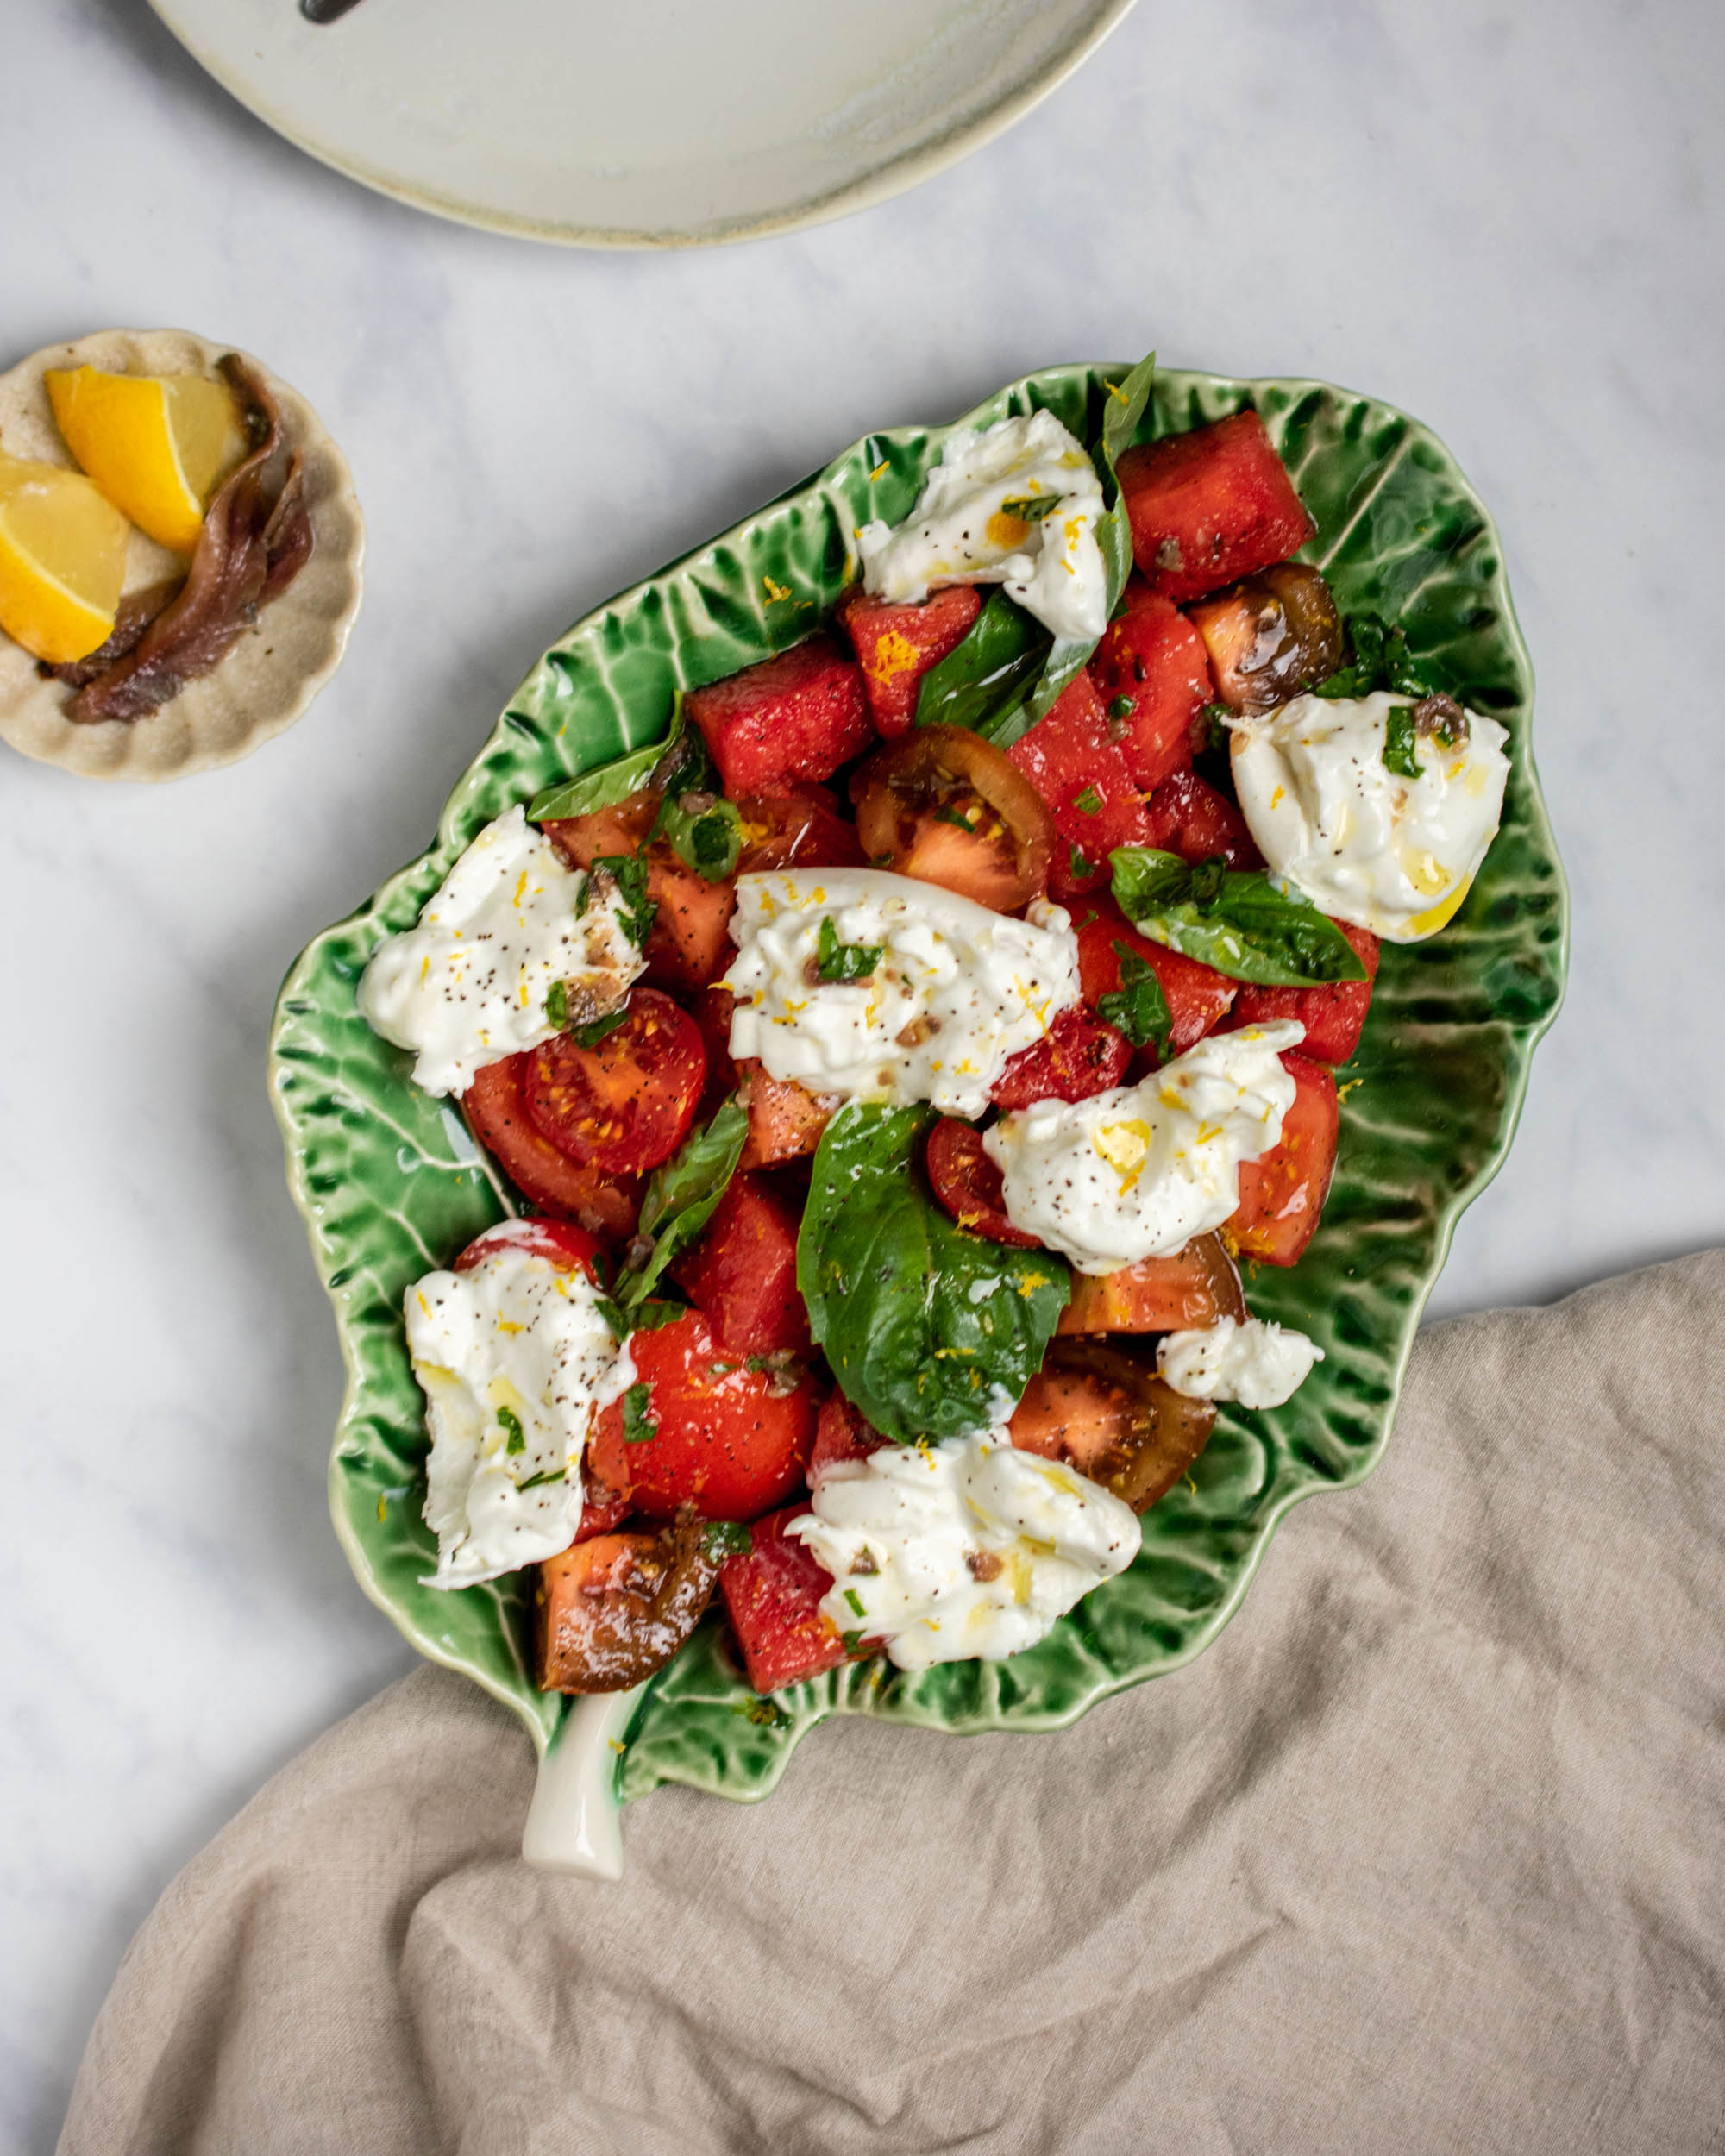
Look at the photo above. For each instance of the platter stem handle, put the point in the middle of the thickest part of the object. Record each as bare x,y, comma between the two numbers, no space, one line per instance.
573,1823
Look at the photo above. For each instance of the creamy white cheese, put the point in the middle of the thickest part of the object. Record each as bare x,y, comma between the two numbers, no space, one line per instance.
513,1354
1258,1364
958,991
1138,1171
467,986
965,1548
962,531
1390,853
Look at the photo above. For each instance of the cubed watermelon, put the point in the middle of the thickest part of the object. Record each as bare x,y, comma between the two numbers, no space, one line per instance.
742,1271
1153,677
1083,776
772,1595
798,715
1198,997
1209,507
896,645
1332,1015
843,1433
689,943
1188,816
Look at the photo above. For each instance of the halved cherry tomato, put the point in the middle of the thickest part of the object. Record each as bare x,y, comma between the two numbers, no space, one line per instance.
785,1119
968,1183
605,1204
800,829
942,805
1079,1055
628,1103
687,944
558,1242
724,1438
1193,1288
1197,996
1112,1419
1282,1195
617,1608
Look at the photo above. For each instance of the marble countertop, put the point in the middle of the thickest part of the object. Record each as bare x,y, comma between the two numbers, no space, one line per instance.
1506,220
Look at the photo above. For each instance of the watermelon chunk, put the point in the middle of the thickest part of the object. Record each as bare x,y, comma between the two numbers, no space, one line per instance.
1211,506
1153,676
772,1595
1189,818
1332,1014
1198,997
842,1433
742,1272
798,716
896,645
1081,775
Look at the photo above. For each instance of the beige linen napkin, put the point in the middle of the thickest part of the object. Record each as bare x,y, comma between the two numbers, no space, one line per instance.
1425,1854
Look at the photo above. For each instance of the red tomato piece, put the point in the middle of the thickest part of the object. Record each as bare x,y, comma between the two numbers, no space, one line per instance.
842,1433
1153,677
800,829
558,1242
742,1272
798,716
630,1101
1332,1014
1282,1196
605,1204
1079,1056
1209,507
723,1440
772,1595
1193,1288
1197,996
602,1508
968,1184
1081,775
785,1119
687,944
896,645
710,1011
1189,818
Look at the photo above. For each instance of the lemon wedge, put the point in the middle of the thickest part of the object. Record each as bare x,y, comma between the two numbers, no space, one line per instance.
157,445
62,559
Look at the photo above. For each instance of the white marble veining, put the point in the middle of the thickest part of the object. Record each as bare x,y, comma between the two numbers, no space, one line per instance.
1506,219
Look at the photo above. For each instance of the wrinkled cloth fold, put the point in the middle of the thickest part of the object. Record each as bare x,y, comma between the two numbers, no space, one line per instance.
1426,1853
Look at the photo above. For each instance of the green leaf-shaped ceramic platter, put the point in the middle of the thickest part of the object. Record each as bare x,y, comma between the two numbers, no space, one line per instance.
392,1186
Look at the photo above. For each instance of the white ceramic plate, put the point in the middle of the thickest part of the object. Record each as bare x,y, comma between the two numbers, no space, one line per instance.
651,123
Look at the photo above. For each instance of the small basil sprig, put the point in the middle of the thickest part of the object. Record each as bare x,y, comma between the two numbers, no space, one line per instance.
602,789
1236,920
1377,659
1137,1007
704,831
629,873
834,961
680,1199
983,683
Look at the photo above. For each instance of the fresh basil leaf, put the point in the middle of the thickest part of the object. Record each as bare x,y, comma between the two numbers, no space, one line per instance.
639,1425
726,1538
1400,754
1138,1006
834,961
704,831
930,1331
1377,659
851,1641
646,1317
1031,509
1237,921
629,873
515,1438
983,680
680,1198
594,790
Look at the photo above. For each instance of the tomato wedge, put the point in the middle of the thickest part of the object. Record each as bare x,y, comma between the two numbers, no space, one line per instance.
968,1183
615,1608
1112,1419
800,829
627,1103
1282,1195
1193,1288
687,944
705,1429
1079,1055
604,1205
942,805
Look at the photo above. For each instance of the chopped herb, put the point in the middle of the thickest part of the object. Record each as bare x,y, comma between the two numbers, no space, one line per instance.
646,1317
956,817
1377,659
1031,509
856,1601
1081,866
638,1425
557,1003
551,1475
726,1538
845,962
1400,754
852,1641
1122,707
600,1030
1089,803
629,873
705,832
1139,1007
510,1423
1215,717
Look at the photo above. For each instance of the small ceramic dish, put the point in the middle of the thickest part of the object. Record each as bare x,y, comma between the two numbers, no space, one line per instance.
277,666
390,1184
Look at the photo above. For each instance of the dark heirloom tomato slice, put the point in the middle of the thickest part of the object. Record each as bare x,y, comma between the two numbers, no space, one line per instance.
1193,1288
558,1242
627,1103
708,1431
942,805
1112,1419
605,1204
1079,1055
799,829
968,1183
615,1608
